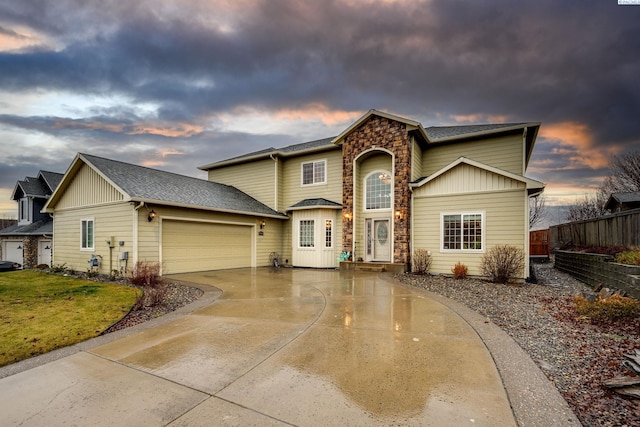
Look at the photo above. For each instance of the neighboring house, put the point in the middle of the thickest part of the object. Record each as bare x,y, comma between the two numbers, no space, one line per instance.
620,202
29,242
381,189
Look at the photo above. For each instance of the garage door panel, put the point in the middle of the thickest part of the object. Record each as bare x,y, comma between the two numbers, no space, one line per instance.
193,246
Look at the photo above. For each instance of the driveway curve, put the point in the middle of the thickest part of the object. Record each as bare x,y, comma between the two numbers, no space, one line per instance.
279,347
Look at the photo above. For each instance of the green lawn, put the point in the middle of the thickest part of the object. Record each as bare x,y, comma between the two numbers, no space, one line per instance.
40,312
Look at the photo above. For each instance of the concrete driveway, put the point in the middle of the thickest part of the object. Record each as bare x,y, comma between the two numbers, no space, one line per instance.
279,347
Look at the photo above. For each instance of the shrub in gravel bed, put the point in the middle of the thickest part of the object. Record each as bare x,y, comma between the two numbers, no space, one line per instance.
503,263
460,271
614,307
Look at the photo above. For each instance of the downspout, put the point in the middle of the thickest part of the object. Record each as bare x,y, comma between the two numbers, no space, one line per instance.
135,233
275,174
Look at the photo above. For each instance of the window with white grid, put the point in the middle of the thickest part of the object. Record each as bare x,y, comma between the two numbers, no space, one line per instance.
328,236
462,231
378,191
305,231
314,172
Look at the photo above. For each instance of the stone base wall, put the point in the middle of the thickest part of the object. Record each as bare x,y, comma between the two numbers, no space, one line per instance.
596,270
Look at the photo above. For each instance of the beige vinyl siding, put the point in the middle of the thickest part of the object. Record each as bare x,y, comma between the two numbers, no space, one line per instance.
416,160
467,189
504,224
88,189
292,189
149,232
257,179
113,220
506,153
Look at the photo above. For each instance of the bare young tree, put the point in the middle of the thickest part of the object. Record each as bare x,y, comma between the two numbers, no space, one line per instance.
536,210
624,175
592,206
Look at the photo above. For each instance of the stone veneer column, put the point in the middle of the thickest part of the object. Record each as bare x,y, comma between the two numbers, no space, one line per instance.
380,132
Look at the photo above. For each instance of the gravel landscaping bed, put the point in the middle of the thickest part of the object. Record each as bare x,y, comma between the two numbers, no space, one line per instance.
575,354
178,295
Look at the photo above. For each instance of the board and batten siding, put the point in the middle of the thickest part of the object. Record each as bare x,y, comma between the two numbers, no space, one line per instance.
506,153
88,189
110,221
257,179
292,189
503,204
416,160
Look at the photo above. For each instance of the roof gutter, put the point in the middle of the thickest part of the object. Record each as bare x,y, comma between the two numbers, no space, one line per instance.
263,156
211,209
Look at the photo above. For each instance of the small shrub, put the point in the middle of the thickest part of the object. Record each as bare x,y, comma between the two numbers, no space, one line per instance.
460,271
155,296
614,307
502,263
146,273
421,261
631,257
58,268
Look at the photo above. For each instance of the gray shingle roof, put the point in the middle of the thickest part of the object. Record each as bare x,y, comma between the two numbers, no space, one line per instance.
290,149
627,197
38,228
146,184
316,203
52,179
442,132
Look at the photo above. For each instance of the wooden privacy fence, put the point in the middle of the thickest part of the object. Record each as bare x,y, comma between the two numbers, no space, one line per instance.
619,229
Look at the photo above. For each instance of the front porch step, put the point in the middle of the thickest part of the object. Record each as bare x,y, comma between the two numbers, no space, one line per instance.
370,267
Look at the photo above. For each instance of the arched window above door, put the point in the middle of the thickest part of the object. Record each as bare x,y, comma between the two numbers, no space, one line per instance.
378,190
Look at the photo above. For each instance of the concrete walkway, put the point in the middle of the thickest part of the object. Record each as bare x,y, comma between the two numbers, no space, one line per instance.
293,347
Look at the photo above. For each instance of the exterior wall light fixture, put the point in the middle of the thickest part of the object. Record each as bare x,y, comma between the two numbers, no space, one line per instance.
263,224
348,217
152,215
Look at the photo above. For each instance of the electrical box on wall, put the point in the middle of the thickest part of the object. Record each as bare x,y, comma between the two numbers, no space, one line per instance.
123,255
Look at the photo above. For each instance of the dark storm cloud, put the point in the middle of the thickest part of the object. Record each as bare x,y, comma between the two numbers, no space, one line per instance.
555,62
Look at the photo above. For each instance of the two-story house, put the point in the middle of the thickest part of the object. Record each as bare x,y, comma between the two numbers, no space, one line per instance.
381,189
29,242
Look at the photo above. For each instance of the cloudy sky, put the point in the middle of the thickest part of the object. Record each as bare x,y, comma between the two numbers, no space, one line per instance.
178,84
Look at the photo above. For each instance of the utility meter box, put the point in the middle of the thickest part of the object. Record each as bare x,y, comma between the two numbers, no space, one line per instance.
123,255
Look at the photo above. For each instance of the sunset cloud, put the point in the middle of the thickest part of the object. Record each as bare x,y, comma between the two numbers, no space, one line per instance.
172,83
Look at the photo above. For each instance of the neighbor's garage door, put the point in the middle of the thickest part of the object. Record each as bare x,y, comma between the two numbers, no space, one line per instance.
197,246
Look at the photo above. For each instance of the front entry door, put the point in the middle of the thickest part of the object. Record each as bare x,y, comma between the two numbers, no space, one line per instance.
378,240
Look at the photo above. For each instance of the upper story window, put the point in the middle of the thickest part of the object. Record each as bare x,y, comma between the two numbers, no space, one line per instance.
24,210
86,234
314,172
378,190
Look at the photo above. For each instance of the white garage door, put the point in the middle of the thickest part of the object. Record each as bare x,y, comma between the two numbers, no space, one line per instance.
13,252
197,246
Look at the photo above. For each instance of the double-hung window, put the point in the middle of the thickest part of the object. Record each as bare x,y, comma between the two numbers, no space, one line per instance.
87,234
314,172
463,231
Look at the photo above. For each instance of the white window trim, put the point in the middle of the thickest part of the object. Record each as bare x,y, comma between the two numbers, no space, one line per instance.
462,214
313,162
93,248
25,216
324,233
313,247
390,208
